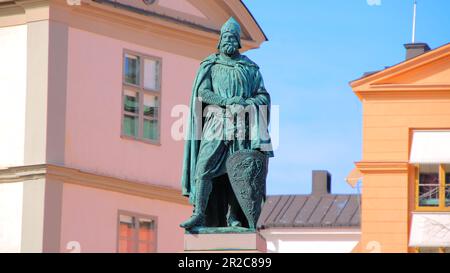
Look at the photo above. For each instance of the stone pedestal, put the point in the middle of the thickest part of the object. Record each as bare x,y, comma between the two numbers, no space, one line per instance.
224,243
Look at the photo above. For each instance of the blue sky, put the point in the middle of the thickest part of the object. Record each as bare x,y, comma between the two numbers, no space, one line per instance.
315,48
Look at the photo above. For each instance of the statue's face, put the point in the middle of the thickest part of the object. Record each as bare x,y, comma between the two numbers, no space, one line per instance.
229,45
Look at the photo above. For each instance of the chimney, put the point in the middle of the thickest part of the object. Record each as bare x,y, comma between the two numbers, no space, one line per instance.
321,182
415,49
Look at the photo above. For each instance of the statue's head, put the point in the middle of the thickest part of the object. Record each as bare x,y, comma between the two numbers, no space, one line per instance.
230,37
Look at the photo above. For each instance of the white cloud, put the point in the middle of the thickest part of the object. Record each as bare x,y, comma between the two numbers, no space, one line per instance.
374,2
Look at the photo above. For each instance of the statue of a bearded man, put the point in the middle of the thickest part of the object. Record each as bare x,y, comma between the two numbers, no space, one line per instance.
228,144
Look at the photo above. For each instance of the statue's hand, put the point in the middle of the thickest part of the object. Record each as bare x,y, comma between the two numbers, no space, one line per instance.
249,102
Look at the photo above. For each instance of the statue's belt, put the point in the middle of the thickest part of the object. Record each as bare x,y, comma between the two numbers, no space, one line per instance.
222,113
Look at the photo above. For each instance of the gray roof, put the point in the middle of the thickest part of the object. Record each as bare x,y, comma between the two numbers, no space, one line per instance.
328,210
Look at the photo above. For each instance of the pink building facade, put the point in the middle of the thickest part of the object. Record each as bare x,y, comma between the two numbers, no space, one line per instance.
91,96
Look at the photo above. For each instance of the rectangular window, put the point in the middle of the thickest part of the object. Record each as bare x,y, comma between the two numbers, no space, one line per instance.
429,185
137,234
141,97
433,185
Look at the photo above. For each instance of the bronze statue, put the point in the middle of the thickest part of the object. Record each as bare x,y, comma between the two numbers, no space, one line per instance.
228,144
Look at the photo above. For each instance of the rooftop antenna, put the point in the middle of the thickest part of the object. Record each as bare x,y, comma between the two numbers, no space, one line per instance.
414,22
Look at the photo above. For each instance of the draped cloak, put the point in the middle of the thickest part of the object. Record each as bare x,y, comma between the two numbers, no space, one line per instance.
249,77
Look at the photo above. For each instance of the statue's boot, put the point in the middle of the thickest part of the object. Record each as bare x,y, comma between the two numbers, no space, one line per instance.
201,202
234,223
233,210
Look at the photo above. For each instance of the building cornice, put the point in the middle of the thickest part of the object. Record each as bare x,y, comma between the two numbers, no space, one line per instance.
78,177
20,12
366,167
404,91
22,173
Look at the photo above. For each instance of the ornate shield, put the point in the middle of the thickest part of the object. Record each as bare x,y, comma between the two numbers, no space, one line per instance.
247,172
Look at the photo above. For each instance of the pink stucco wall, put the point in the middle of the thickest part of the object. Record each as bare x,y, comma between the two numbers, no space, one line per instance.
93,121
90,219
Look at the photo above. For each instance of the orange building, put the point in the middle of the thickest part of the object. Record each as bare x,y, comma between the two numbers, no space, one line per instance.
405,164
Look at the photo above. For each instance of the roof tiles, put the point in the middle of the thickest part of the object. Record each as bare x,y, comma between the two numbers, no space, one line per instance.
328,210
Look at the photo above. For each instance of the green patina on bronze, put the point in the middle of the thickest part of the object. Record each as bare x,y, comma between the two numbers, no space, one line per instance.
224,177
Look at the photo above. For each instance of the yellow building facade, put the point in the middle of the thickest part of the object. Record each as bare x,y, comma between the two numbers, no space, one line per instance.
405,152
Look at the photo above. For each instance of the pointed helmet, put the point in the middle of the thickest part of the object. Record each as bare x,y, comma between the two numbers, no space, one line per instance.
233,27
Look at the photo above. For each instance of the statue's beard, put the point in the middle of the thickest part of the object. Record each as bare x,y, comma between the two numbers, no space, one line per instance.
229,49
